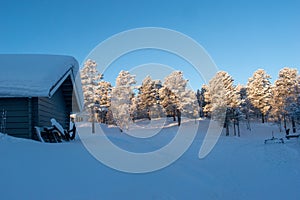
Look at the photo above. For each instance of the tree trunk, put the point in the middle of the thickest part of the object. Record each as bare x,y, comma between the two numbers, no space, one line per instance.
248,124
148,115
93,119
179,120
262,118
284,122
174,113
227,129
227,124
238,127
279,124
293,125
234,129
248,121
201,113
234,122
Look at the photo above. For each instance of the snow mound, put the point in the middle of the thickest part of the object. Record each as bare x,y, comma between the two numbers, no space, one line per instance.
237,168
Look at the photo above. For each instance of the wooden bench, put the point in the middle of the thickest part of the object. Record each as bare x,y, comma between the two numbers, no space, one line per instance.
288,136
292,136
55,133
46,134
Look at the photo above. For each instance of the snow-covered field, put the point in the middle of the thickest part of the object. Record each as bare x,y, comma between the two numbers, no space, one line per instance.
237,168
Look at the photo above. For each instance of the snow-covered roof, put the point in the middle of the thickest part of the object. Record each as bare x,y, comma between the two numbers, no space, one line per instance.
36,75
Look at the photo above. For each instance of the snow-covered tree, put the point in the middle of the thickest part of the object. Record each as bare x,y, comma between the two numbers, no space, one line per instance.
89,79
297,110
293,104
103,96
103,92
189,104
179,96
133,108
157,110
259,92
245,106
176,83
207,101
121,99
224,98
285,94
147,97
168,100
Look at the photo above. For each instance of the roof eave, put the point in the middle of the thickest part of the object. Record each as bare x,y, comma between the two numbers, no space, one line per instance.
75,84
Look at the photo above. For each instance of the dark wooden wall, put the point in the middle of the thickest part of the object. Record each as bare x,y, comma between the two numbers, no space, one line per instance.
17,118
25,113
54,107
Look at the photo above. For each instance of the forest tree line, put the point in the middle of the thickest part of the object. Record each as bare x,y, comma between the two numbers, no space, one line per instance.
220,99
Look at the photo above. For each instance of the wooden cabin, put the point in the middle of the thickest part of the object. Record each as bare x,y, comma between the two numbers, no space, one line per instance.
36,88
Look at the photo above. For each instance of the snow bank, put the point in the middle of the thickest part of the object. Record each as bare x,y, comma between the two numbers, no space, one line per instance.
237,168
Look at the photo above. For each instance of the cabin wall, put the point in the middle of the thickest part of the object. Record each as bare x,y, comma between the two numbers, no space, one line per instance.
17,116
54,107
24,113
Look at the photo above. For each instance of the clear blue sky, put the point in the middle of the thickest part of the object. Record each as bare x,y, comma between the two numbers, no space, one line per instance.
241,36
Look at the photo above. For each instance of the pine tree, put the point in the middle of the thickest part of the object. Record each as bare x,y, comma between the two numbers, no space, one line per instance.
90,78
189,104
178,96
133,108
224,99
207,101
157,110
285,91
259,92
168,101
121,99
245,105
176,83
103,92
147,97
297,110
103,95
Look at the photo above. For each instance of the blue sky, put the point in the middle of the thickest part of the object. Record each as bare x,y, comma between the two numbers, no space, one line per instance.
240,36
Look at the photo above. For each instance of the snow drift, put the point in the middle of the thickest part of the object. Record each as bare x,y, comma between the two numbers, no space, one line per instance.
237,168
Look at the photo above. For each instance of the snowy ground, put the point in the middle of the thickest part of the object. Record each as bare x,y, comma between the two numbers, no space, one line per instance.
237,168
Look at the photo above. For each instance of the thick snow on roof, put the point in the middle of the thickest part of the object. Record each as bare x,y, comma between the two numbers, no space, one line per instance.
29,75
